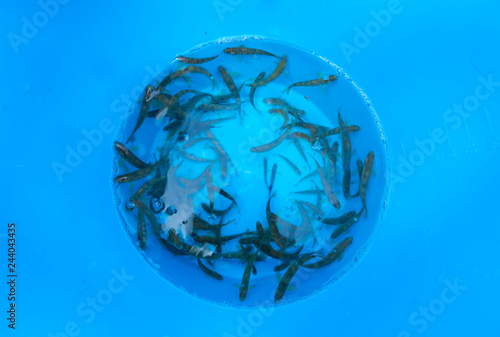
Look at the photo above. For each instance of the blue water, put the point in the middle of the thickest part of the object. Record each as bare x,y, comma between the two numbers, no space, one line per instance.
431,269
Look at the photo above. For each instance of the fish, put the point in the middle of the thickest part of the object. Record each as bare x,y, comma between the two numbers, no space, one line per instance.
217,99
315,192
292,165
180,73
131,158
332,198
283,103
194,141
335,131
273,144
339,220
171,102
273,177
141,230
192,157
342,228
252,90
334,254
246,51
359,167
346,157
146,103
231,86
246,277
209,272
316,209
287,277
365,175
283,113
216,212
216,239
142,190
190,60
219,107
319,81
220,149
262,243
139,174
205,125
300,135
273,227
276,72
296,142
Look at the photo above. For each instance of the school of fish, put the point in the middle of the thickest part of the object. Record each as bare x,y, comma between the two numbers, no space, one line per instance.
165,201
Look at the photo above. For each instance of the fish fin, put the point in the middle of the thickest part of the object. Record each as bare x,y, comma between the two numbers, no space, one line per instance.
238,58
287,90
341,256
292,287
323,88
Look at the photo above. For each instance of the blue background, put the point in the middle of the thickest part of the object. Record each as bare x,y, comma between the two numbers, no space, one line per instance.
74,72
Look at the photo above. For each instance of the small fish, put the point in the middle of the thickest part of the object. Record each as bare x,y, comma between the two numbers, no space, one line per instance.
283,113
146,103
142,190
365,175
339,220
287,277
273,144
359,167
273,177
171,102
319,81
335,131
315,192
316,209
296,142
276,72
205,125
300,135
273,227
252,90
346,157
209,272
246,51
141,230
231,86
262,243
194,141
211,211
219,107
191,60
180,73
246,277
328,189
192,157
292,165
281,102
139,174
335,253
126,154
216,239
342,228
220,149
